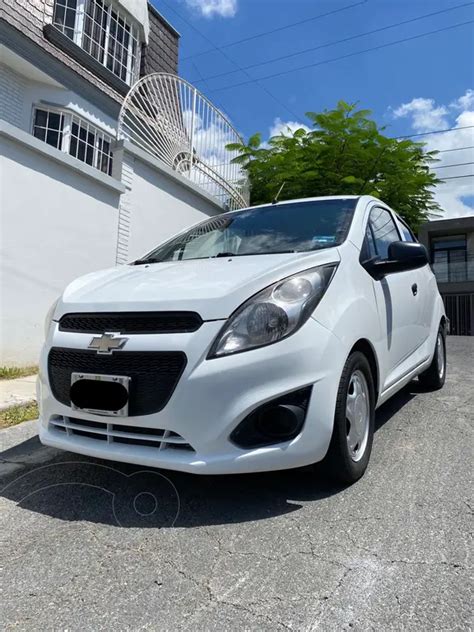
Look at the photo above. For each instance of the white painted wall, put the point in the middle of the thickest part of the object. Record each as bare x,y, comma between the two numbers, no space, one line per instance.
22,87
56,224
162,203
61,219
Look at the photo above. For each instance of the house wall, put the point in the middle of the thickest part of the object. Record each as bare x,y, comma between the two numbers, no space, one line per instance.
61,218
22,22
12,95
159,201
57,223
457,295
20,93
161,53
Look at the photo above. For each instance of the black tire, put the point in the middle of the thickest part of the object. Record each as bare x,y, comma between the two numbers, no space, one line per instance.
435,375
339,464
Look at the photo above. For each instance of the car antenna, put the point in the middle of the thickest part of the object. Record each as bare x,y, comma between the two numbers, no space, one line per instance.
275,200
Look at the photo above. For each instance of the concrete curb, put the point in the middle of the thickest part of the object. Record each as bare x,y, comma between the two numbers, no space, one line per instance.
17,392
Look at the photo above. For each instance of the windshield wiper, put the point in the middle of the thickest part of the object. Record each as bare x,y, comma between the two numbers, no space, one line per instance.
142,262
251,254
224,254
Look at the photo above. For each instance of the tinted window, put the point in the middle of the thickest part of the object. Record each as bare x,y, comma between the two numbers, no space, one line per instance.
384,230
297,227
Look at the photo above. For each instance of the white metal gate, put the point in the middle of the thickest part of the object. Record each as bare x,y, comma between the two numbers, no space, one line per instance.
169,118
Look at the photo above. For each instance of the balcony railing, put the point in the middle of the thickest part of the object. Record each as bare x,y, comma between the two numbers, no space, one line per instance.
454,271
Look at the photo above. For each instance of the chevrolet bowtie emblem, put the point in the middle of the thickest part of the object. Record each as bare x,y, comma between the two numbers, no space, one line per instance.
107,343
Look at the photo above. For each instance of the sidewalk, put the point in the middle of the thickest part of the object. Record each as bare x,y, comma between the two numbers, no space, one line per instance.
19,391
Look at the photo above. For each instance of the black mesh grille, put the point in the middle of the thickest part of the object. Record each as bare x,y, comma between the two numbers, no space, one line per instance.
131,322
154,374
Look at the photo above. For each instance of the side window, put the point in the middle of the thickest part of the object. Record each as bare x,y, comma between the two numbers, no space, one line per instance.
406,232
369,244
384,230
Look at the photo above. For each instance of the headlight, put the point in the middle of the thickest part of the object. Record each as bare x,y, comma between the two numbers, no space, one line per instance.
49,317
275,313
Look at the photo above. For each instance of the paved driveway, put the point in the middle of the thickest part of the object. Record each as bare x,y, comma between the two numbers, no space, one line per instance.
97,545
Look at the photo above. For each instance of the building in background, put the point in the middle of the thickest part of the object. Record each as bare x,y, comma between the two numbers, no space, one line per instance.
450,243
74,197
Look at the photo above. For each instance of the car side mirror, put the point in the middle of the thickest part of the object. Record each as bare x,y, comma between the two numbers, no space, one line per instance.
402,256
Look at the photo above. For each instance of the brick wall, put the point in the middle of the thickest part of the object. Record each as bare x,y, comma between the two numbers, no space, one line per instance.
12,87
161,54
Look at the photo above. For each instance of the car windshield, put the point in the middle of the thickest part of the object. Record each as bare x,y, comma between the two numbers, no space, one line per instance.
277,228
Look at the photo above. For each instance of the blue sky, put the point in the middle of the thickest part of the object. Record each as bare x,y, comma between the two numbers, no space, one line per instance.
414,86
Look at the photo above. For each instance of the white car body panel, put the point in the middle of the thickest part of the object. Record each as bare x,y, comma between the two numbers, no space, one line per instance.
213,396
213,288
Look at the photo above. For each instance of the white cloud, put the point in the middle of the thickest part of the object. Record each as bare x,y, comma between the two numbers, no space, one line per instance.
210,8
466,102
287,128
427,116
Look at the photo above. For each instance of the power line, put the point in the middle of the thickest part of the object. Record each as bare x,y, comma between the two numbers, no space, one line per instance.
347,56
469,175
341,41
276,30
217,102
459,164
444,151
264,88
436,131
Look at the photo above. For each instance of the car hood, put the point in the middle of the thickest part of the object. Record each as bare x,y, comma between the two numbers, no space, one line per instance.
212,287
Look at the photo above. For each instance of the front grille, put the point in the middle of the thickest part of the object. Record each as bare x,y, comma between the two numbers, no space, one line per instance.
131,322
154,374
116,433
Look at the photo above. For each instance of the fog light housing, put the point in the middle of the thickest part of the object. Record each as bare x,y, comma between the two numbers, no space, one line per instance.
277,421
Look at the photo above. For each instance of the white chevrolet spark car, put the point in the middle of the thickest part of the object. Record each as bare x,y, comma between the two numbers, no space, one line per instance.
260,339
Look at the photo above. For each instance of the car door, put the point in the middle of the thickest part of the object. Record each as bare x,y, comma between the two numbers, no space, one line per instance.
397,298
426,287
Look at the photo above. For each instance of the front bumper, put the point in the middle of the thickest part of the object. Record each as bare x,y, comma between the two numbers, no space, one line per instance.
210,400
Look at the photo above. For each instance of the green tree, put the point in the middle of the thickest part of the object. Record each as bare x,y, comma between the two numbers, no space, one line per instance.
345,154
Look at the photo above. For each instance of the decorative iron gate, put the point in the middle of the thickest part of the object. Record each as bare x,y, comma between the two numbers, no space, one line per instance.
167,117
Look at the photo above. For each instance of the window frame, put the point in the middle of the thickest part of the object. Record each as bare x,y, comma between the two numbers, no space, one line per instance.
67,117
109,7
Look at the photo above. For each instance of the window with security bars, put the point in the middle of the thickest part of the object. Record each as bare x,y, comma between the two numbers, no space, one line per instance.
48,125
104,32
70,133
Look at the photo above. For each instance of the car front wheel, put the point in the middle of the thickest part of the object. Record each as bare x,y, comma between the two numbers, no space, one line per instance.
435,375
351,442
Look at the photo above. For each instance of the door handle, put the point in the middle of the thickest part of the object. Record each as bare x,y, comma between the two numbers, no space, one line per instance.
414,289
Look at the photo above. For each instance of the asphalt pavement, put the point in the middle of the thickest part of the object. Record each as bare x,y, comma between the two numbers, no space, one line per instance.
96,545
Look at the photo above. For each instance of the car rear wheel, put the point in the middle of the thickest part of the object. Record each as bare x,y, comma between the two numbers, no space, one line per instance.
435,375
351,442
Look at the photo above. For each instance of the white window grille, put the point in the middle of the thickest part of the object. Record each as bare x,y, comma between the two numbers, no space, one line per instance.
104,32
72,134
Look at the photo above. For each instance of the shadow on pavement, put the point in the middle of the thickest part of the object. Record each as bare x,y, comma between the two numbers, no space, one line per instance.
69,487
